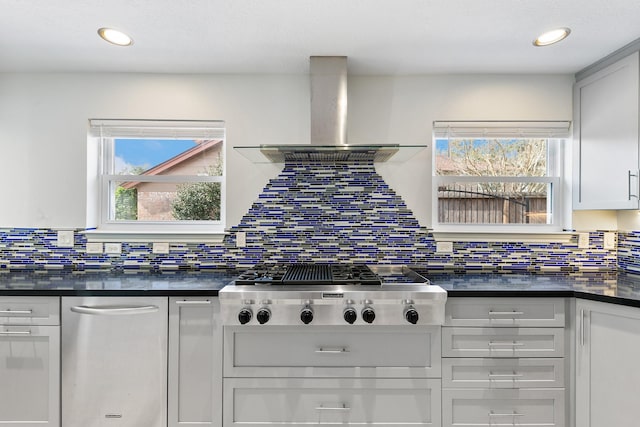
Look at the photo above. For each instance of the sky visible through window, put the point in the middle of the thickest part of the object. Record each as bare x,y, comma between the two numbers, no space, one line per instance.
136,155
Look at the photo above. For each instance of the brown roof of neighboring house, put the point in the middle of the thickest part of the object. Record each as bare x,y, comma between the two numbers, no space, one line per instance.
199,148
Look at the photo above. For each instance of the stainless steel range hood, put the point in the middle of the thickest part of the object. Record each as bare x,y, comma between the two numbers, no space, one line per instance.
328,76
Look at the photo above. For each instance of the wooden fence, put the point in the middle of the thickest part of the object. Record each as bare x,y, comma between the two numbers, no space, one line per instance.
473,207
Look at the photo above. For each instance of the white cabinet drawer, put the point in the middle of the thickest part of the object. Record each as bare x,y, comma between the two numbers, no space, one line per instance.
304,402
502,373
29,376
492,312
400,352
477,408
502,342
29,311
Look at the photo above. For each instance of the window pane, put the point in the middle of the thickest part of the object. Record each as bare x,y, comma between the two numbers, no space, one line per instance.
160,201
491,157
494,203
167,157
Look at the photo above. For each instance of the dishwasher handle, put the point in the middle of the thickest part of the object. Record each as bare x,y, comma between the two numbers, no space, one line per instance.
114,310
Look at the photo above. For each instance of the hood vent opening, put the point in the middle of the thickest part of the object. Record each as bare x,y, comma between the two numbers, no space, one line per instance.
328,136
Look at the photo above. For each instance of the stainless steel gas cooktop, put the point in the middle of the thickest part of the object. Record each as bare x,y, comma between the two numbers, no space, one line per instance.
331,294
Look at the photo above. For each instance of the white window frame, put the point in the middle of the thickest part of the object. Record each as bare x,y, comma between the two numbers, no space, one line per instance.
555,131
104,132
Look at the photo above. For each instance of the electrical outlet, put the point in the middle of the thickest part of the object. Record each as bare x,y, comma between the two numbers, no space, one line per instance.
160,248
583,240
241,239
444,247
65,239
113,248
94,247
609,240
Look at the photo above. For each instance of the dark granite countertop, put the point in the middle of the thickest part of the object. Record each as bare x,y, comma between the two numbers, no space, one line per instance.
118,283
612,287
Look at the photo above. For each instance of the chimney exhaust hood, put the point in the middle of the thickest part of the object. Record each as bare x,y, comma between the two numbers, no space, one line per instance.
328,75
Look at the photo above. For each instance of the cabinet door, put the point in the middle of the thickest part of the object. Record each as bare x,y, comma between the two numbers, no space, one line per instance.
606,138
332,351
502,342
486,408
298,402
29,376
508,312
607,375
492,373
29,310
195,362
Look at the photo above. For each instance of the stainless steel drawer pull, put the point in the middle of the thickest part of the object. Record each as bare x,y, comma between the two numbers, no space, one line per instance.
505,313
114,310
194,302
505,344
342,407
332,350
505,414
514,375
9,311
15,332
113,415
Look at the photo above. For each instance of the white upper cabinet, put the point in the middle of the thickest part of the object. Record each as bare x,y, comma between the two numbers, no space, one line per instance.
606,159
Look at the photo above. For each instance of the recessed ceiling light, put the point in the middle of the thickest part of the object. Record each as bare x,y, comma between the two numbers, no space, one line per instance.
551,37
115,37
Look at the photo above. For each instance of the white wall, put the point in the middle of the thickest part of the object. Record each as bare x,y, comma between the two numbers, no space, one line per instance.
43,126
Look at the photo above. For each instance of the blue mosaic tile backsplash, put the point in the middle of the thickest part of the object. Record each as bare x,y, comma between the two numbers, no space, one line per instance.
629,251
343,212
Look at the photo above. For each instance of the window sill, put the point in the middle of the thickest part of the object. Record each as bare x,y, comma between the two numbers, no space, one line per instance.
545,237
109,236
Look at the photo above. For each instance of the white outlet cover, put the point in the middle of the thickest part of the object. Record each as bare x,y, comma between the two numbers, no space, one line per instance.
65,239
113,248
241,239
161,248
609,240
444,247
583,240
94,247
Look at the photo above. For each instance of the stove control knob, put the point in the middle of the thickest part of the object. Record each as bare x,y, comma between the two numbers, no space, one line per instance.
411,314
306,315
245,316
350,315
263,315
368,315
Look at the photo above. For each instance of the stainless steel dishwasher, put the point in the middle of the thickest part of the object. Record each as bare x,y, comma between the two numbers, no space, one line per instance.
114,361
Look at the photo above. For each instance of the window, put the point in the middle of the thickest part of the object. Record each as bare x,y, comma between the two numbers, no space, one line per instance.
498,176
160,175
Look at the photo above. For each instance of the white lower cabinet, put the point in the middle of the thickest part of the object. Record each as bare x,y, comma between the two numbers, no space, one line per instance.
354,401
607,374
503,362
524,407
350,375
195,362
29,361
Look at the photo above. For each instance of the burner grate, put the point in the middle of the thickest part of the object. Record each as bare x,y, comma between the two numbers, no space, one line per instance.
308,273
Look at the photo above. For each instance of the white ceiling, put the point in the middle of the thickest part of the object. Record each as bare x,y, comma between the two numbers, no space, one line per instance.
278,36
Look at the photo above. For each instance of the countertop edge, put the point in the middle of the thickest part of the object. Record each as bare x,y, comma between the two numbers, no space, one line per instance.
545,293
111,293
